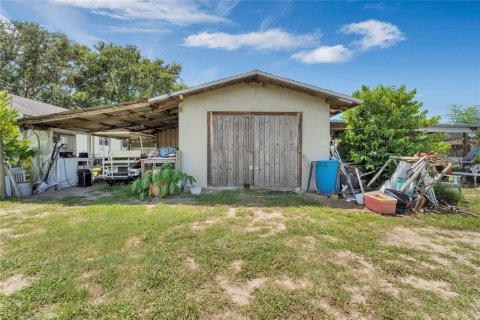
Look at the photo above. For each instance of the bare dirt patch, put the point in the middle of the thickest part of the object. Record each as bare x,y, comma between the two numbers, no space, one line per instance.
369,276
19,210
241,294
47,312
291,284
272,221
133,241
330,238
6,231
226,314
14,284
264,215
205,224
95,291
88,274
438,243
9,233
42,215
231,213
237,265
306,243
191,263
97,297
439,287
149,208
335,312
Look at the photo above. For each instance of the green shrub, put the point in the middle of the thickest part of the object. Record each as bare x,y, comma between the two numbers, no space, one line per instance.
447,195
476,159
161,182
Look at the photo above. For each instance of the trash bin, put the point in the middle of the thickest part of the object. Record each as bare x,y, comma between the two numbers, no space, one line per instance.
84,178
327,178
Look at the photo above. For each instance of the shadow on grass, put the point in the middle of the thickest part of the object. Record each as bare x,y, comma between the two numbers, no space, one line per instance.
121,194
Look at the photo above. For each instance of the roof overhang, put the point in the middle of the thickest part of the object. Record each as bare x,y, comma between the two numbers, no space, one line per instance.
161,112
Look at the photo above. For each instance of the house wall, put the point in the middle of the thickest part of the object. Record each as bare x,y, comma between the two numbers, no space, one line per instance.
255,98
167,138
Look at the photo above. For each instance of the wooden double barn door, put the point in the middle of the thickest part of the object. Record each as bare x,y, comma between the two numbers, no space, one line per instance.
263,149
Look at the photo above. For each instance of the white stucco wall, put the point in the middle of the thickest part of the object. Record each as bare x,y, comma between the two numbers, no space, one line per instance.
255,98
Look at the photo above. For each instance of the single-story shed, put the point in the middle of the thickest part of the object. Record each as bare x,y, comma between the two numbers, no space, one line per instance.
254,128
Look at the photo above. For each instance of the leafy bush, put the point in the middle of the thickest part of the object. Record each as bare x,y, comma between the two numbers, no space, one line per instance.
161,182
447,195
388,122
476,159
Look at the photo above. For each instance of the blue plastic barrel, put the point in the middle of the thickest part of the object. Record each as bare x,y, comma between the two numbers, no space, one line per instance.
326,173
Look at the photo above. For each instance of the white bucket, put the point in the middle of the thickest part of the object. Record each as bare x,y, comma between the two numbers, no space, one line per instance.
359,198
25,189
196,190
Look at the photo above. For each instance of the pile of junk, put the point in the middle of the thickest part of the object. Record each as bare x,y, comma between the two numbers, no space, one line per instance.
409,189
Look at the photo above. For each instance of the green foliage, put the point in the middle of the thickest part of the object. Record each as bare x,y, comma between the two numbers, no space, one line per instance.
113,73
161,182
388,123
49,67
476,159
15,149
462,114
447,195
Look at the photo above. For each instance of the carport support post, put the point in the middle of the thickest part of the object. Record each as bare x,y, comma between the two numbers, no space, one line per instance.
465,144
3,191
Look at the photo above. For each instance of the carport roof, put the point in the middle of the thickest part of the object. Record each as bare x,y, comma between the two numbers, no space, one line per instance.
161,112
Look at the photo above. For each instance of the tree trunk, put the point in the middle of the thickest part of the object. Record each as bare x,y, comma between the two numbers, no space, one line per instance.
3,190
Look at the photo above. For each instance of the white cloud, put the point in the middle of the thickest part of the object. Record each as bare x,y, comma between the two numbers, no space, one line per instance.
181,12
324,54
3,18
134,29
376,34
382,7
272,39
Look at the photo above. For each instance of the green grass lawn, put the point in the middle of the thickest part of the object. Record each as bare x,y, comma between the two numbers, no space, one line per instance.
106,256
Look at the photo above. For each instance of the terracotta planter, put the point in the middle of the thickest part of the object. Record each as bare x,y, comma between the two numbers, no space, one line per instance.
155,190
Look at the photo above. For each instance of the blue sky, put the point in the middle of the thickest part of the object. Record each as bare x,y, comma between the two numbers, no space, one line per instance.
431,46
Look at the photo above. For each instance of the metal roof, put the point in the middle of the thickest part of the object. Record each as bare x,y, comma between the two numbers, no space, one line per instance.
161,112
32,108
340,125
453,128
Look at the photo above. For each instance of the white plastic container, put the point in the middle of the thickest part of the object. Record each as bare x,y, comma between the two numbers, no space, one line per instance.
25,189
195,190
359,198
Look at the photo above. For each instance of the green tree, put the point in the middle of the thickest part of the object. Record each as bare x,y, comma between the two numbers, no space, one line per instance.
35,63
462,114
113,73
48,66
389,122
12,147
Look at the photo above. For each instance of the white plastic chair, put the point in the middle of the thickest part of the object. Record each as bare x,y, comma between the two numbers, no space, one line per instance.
453,181
18,174
476,173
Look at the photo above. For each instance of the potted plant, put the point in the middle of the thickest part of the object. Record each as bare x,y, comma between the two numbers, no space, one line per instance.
161,182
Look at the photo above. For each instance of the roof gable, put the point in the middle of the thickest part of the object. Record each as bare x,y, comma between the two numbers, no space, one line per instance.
338,102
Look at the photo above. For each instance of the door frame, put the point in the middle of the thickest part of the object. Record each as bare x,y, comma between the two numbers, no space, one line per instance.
299,115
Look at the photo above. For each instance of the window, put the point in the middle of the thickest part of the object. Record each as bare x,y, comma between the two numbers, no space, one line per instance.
103,141
68,141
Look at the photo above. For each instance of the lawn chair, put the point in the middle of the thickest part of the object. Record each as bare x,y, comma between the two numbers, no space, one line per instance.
476,173
453,181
